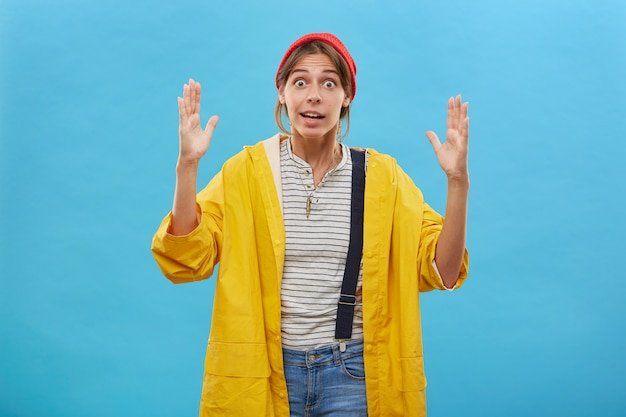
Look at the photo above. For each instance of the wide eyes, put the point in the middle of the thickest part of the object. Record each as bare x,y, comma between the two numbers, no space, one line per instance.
302,83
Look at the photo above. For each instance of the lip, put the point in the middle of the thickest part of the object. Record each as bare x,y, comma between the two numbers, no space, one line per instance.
310,121
314,113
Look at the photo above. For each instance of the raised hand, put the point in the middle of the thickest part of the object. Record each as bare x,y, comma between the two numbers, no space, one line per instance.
452,154
194,141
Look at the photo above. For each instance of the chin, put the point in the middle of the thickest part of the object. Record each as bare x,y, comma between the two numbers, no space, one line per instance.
316,133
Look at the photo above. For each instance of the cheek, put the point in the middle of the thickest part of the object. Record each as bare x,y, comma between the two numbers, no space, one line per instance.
291,101
287,102
293,97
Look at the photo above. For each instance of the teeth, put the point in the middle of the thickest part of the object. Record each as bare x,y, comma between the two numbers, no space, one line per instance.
315,116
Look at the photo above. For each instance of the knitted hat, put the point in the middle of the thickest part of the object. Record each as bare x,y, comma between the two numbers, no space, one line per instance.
333,41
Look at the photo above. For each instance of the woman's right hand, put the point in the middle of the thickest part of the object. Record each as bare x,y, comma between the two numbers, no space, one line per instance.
194,141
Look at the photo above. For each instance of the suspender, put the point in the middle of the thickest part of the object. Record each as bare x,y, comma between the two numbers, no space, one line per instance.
347,299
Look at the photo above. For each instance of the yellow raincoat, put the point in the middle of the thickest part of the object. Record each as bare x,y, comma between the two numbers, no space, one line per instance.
241,227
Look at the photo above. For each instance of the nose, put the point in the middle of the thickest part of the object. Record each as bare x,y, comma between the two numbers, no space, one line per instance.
314,95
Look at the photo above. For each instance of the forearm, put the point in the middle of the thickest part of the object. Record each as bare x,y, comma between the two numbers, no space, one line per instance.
451,242
184,216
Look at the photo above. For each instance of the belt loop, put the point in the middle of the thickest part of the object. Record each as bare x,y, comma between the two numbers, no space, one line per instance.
336,355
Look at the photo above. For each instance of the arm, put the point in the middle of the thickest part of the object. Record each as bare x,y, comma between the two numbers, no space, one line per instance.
193,256
194,142
452,157
184,251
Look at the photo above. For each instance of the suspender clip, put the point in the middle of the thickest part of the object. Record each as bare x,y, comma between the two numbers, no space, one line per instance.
347,299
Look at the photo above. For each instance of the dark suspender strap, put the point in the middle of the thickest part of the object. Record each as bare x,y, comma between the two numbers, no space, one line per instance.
347,299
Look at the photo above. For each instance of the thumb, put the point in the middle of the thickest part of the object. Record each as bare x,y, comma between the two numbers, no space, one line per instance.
212,123
433,139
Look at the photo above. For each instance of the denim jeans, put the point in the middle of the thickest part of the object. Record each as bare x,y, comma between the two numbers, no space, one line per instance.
326,381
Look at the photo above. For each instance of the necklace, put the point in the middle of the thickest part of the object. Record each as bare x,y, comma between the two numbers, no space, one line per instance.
309,200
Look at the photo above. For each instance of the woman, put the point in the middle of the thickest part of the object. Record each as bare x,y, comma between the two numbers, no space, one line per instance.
277,218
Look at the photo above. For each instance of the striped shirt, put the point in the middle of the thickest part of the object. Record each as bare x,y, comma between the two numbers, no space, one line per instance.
316,251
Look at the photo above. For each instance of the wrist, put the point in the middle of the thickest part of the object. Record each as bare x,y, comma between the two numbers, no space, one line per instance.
187,164
459,182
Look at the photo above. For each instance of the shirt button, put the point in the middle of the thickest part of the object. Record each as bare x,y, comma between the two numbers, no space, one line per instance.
277,242
369,254
311,358
307,173
281,394
369,348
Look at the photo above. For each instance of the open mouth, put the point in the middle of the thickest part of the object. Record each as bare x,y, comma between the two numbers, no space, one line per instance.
314,116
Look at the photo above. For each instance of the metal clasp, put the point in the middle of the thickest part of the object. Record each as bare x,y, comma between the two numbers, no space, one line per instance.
347,299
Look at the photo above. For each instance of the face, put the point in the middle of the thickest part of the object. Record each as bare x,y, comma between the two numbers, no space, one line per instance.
314,96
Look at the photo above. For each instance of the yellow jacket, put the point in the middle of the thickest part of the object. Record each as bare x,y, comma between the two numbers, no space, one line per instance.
241,227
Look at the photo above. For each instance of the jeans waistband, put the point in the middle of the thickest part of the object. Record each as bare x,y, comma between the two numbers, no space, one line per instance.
322,355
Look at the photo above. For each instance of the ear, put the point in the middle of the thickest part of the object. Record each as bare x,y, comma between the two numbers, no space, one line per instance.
346,101
281,95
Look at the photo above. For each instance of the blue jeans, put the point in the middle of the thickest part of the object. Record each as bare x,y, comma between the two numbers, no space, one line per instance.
326,381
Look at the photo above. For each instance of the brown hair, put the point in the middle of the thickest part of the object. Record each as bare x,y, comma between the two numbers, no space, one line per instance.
310,48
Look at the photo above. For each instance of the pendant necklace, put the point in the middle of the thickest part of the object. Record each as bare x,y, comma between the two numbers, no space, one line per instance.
309,200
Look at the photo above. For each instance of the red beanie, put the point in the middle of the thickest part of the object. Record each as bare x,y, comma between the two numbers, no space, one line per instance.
333,41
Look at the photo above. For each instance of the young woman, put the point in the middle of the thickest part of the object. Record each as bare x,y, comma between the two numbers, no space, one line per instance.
278,218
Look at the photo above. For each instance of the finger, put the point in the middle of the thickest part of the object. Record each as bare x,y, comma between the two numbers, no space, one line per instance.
465,128
464,109
182,113
433,139
457,111
198,93
464,120
192,98
186,98
212,124
450,112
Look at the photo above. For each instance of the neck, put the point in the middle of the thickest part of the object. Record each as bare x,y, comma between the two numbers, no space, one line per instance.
316,151
322,155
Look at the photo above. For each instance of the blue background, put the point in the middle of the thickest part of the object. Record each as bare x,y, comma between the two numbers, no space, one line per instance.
89,326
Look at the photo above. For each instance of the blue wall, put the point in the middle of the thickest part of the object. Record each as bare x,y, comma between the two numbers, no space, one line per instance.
88,145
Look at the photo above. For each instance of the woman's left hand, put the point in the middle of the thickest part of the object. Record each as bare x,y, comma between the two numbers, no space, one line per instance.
452,154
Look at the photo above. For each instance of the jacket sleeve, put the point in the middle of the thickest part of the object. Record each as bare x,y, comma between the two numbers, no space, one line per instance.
193,257
427,224
430,279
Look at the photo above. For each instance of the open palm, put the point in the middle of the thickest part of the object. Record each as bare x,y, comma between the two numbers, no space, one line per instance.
194,141
452,154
